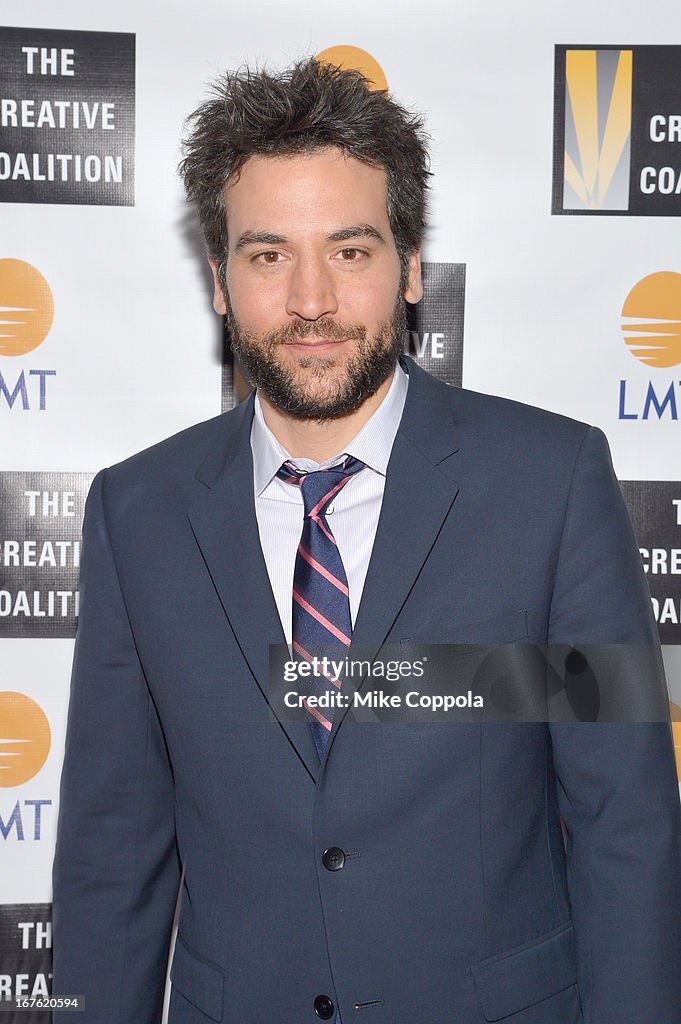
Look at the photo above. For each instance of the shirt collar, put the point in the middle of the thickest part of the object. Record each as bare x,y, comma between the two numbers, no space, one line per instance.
372,445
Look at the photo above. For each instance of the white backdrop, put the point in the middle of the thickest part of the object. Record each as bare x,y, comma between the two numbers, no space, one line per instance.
135,343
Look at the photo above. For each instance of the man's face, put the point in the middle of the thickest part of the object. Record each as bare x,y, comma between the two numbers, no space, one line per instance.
314,290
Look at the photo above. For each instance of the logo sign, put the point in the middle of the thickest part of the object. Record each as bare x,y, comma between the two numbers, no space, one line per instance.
26,944
617,130
26,315
434,336
435,324
655,510
355,59
652,319
26,307
40,524
24,738
651,326
67,114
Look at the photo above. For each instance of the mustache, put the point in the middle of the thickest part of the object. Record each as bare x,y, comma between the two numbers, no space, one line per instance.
322,328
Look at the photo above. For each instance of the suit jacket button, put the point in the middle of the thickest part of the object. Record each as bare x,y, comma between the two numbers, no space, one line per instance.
323,1007
333,859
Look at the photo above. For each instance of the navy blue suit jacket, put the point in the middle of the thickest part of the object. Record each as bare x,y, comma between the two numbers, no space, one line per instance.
459,900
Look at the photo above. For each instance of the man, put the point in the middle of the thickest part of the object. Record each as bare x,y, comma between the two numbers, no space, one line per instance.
395,873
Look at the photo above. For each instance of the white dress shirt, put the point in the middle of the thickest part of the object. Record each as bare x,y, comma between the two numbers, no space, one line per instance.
353,516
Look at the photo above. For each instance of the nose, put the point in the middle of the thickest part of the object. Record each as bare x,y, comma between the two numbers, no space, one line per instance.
311,292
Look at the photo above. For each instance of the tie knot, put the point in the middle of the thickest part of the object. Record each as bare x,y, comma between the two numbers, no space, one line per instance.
321,486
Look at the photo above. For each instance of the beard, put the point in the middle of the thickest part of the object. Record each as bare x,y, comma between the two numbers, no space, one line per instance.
319,387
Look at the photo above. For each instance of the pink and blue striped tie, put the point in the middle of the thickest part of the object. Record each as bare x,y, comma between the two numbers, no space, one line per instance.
321,605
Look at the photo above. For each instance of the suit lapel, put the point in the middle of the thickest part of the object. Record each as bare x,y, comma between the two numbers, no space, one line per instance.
224,524
420,490
416,503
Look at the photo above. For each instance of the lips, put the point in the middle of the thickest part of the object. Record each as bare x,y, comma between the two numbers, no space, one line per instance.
316,342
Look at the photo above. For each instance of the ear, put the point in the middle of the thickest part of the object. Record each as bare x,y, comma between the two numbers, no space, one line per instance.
219,304
413,290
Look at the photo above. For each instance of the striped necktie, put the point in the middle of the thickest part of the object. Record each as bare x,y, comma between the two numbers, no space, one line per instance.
321,605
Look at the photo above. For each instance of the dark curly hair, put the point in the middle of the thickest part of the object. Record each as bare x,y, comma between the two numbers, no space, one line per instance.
305,107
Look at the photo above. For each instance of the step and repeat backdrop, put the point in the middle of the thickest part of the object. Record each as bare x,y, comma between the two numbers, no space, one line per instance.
552,276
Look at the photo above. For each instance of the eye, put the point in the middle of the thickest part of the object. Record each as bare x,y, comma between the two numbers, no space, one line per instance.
269,258
350,254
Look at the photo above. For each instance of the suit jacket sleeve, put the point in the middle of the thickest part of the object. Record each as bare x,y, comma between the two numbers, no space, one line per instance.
116,871
617,788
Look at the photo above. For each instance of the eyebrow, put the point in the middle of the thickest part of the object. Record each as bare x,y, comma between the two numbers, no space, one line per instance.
258,238
248,238
356,231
